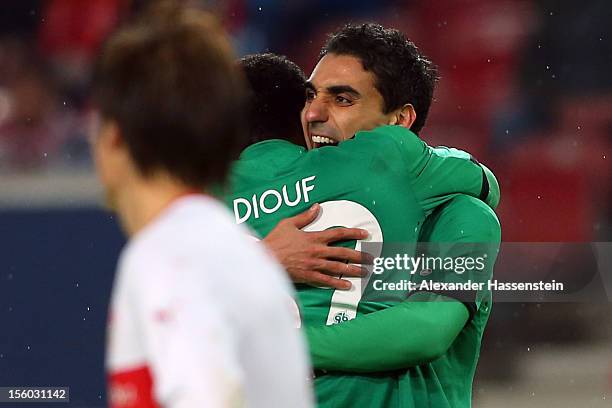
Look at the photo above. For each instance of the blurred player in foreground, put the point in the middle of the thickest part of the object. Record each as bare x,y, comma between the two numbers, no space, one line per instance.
384,181
199,314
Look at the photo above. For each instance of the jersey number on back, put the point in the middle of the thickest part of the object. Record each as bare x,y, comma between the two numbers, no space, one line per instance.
349,214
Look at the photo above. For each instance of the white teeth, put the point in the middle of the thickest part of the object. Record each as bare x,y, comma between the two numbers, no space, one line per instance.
322,139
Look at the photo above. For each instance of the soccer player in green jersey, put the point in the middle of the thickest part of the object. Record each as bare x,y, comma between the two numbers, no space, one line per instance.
422,352
382,155
367,75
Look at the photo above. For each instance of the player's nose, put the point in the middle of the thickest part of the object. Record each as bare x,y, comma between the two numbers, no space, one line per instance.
315,111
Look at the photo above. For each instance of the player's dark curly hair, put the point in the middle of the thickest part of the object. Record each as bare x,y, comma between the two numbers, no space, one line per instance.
403,74
278,89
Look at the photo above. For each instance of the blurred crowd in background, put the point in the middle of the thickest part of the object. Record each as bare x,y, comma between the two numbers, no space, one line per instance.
526,87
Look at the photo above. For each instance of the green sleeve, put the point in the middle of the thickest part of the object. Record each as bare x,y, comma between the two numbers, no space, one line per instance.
465,227
414,331
494,194
410,333
436,173
445,171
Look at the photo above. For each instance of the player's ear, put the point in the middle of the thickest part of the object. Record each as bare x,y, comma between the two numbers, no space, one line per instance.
112,138
404,116
109,145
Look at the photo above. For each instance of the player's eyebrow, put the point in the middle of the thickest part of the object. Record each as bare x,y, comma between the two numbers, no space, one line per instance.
336,89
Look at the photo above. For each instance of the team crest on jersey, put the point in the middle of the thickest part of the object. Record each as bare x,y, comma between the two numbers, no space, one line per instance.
341,317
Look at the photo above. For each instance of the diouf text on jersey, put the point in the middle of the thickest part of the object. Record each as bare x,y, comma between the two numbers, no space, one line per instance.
271,200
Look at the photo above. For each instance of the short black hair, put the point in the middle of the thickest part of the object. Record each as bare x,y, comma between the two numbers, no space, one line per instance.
278,94
403,75
170,83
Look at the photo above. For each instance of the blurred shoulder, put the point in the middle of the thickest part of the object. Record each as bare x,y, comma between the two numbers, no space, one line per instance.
464,218
392,135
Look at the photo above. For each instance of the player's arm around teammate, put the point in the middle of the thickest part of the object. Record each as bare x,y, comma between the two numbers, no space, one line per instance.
423,327
308,257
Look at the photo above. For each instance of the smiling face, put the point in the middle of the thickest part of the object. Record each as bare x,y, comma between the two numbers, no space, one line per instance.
341,100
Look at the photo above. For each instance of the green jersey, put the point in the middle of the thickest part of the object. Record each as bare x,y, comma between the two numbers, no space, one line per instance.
447,381
463,228
385,181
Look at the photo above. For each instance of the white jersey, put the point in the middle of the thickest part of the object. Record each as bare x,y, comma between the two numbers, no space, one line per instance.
201,317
